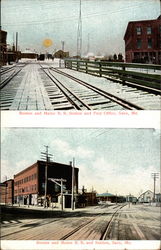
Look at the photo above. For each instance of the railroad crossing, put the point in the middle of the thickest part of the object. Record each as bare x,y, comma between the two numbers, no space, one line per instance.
69,85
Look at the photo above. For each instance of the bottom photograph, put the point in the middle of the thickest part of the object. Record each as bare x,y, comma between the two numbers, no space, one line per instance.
80,184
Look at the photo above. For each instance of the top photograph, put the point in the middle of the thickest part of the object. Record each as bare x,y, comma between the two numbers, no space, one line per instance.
80,55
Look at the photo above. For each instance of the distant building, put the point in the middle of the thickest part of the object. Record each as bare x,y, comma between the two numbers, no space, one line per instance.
131,198
61,54
29,184
158,197
143,41
3,47
28,54
146,197
106,197
6,192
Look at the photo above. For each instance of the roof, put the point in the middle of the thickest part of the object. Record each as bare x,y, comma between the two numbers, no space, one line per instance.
27,51
36,164
145,193
105,195
139,21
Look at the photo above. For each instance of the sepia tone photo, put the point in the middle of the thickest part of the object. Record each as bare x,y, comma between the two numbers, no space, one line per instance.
80,54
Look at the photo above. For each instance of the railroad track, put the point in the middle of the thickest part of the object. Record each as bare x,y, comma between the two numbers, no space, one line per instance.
136,96
5,70
80,228
8,87
84,96
11,73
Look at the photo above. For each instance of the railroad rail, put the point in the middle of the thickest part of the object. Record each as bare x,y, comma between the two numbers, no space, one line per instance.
94,91
140,97
81,227
142,76
15,70
5,70
106,231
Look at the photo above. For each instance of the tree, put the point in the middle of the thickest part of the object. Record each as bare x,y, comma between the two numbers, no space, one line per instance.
120,57
115,57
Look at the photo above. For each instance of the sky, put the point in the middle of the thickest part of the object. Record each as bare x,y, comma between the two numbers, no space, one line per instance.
118,161
104,23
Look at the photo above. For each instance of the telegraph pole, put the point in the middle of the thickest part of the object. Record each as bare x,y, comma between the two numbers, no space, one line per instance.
46,156
61,185
154,176
79,31
73,180
16,46
62,42
88,46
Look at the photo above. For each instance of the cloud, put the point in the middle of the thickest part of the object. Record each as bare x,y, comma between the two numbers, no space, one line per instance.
8,169
104,177
69,151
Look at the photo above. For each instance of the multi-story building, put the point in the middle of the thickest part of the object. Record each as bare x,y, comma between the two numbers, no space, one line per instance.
29,184
3,47
6,192
143,41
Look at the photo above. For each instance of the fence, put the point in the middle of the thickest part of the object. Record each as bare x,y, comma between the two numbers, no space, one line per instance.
139,74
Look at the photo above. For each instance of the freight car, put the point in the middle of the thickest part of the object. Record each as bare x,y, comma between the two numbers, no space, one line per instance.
41,57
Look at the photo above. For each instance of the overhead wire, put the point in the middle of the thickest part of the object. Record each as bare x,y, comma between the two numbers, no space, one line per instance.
60,19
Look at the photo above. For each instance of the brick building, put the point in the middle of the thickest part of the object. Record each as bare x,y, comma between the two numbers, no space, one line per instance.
6,192
143,41
29,184
3,47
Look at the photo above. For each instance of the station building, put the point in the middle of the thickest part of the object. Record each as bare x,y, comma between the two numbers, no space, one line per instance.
6,192
146,197
143,41
29,184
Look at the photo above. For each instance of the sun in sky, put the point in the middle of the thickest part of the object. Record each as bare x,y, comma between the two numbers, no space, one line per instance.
47,43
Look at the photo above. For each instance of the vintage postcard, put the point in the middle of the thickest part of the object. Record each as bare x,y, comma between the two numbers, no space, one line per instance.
80,54
80,124
81,186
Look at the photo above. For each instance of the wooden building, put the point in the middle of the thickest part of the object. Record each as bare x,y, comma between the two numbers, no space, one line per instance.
143,41
146,197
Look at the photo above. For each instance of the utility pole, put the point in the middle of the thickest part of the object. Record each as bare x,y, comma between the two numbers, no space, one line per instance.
154,176
46,156
79,31
61,186
88,46
62,42
16,46
73,180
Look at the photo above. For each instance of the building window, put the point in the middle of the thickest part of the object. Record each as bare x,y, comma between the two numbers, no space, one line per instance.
138,43
138,30
149,30
149,43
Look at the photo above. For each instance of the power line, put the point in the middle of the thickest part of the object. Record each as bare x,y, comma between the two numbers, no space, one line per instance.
56,20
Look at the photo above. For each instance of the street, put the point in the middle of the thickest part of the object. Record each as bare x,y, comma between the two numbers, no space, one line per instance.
103,222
